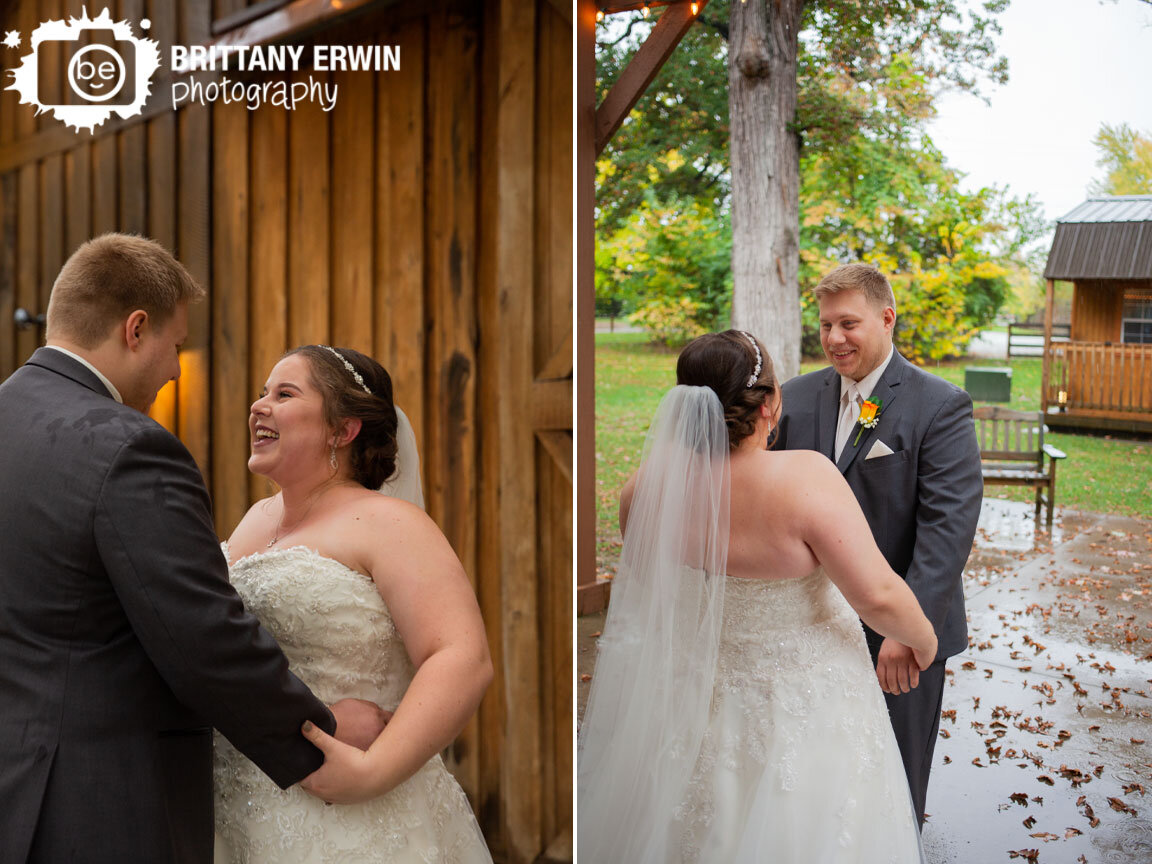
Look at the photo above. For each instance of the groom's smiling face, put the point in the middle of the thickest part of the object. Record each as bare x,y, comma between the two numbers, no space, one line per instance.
855,334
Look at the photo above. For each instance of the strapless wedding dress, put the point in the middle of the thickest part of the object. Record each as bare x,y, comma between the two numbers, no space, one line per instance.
340,640
799,762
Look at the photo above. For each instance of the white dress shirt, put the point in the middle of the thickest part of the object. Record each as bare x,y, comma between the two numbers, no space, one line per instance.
850,407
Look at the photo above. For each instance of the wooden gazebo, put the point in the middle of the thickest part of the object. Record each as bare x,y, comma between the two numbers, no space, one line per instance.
427,220
1102,377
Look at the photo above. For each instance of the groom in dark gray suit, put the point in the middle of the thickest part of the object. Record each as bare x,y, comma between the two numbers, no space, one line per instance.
121,641
916,474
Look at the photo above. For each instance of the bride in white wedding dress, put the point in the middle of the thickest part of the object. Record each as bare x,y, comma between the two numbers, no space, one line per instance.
368,601
734,714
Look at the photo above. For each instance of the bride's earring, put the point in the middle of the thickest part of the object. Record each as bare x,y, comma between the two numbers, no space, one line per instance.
332,459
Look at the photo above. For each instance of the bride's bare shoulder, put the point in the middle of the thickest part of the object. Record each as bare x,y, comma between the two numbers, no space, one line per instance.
799,470
799,462
383,512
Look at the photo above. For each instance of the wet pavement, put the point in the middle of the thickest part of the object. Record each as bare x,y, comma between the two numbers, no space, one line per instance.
1045,752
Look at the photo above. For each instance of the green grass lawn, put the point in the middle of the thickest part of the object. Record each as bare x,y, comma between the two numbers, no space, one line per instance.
1101,474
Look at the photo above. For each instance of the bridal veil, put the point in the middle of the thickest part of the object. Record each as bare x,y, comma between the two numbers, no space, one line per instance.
405,482
652,688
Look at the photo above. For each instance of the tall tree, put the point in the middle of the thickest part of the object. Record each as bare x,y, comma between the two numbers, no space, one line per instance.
1126,155
765,156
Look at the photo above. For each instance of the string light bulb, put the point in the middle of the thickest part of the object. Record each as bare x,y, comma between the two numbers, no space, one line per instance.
695,8
646,11
599,15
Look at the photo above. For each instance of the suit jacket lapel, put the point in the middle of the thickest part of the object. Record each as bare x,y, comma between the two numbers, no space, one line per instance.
828,414
886,389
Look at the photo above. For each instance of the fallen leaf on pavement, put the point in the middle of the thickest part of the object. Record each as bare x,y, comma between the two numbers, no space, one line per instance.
1121,806
1032,855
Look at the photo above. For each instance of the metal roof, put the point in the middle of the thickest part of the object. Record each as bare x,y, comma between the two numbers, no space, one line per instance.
1112,208
1109,237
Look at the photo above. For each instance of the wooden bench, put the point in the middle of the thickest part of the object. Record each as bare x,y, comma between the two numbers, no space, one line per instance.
1012,452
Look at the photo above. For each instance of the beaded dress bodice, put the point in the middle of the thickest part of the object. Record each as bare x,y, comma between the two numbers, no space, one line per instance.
331,623
776,631
340,640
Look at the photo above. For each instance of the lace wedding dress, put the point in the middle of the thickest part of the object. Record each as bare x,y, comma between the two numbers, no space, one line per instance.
798,762
340,640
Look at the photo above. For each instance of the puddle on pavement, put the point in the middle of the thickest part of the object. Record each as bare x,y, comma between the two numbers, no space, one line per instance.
1052,699
1018,767
1011,526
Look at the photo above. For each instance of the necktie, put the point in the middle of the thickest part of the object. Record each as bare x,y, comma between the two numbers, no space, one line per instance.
849,414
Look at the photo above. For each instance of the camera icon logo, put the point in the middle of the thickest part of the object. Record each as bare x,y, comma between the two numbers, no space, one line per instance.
85,70
97,73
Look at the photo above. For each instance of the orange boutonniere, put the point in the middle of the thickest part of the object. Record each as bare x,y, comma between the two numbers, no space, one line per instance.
869,417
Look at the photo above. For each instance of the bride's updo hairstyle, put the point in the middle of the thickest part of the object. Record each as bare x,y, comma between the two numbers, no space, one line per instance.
373,450
726,362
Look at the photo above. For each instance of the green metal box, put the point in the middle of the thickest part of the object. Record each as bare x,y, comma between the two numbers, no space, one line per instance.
988,383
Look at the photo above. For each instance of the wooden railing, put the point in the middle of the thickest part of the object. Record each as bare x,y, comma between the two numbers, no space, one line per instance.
1100,376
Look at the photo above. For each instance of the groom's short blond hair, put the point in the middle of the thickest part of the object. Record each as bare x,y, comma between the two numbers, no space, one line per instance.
864,278
107,279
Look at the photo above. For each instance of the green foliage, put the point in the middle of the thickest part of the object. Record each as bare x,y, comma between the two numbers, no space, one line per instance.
672,263
672,322
674,144
862,67
888,197
1126,155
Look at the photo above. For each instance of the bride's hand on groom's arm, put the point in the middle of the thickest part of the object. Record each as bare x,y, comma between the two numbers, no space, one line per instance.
358,721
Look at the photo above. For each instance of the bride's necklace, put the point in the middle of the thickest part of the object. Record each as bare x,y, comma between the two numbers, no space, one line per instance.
277,536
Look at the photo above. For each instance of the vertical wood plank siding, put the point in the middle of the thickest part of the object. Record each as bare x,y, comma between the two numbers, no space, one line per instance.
425,220
194,246
309,214
231,389
1096,308
507,266
554,361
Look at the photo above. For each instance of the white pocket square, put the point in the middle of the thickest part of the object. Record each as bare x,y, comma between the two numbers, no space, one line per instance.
879,448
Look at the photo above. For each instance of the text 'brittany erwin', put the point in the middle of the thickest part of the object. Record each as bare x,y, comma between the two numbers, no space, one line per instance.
285,58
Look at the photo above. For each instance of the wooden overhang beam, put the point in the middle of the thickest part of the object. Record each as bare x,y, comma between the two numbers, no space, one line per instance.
595,127
638,74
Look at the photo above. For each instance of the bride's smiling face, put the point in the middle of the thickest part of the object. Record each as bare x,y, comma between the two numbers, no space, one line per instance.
286,424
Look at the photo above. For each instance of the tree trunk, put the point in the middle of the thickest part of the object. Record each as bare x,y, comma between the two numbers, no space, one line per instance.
765,160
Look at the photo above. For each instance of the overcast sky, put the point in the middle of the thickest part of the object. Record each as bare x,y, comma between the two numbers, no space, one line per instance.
1074,64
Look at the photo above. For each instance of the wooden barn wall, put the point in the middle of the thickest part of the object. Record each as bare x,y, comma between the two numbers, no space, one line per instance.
1096,310
427,221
